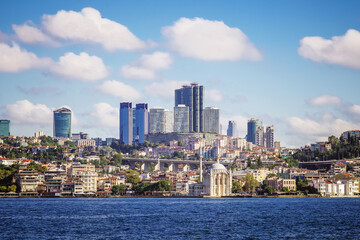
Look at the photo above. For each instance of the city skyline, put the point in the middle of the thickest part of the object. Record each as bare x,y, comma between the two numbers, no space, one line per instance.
277,63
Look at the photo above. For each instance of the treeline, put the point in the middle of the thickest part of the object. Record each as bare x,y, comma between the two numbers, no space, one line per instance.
340,149
7,178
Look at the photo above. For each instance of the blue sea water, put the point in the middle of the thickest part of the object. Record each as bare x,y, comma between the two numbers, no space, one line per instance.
180,218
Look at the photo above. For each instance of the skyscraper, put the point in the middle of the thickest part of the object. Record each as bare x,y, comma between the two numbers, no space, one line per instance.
212,120
251,129
62,122
192,96
142,122
160,120
270,137
4,127
260,140
232,129
126,123
181,118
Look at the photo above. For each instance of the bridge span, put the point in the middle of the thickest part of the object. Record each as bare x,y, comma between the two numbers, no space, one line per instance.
170,164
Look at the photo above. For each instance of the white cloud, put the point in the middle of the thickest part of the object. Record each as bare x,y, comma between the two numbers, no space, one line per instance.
120,90
30,34
324,100
209,40
25,112
105,115
146,67
164,89
89,26
342,50
83,67
213,95
14,59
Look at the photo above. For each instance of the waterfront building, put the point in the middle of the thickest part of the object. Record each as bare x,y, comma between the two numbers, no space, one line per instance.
181,118
270,137
160,120
212,120
62,122
217,181
4,127
251,129
192,96
126,123
141,127
232,129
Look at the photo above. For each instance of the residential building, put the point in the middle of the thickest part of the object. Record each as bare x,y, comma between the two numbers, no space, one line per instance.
212,120
86,143
38,134
270,137
260,140
126,123
181,118
4,127
62,122
80,135
192,96
232,129
251,130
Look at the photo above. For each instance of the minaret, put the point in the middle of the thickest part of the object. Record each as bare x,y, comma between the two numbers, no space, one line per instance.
201,171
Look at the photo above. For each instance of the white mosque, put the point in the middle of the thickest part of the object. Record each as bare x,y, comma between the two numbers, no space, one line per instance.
217,182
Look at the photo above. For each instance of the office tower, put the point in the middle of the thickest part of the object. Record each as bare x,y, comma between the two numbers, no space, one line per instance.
160,120
38,134
192,96
181,118
260,136
270,137
126,122
141,122
212,120
232,129
4,127
251,129
62,122
135,137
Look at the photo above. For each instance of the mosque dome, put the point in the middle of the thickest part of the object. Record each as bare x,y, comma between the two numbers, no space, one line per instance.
217,166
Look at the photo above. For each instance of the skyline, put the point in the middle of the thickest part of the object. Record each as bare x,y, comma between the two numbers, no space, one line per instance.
271,57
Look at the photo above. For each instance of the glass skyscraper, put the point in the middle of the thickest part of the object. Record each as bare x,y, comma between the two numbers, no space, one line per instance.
252,126
4,127
126,123
192,96
62,122
160,120
141,122
181,118
232,129
212,120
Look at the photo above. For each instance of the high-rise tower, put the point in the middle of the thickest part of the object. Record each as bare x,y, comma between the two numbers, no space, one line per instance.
4,127
141,122
232,129
62,122
251,129
270,137
126,122
212,120
192,96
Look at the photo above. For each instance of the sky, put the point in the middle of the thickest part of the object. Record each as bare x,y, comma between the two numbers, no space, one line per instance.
291,64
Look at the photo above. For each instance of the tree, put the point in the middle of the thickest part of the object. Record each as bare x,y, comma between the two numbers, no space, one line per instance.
35,166
236,187
269,189
250,183
115,190
284,189
117,159
132,177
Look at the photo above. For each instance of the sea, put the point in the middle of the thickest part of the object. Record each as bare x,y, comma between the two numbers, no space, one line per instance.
180,218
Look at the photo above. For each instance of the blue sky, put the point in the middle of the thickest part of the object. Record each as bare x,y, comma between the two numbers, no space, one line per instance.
294,65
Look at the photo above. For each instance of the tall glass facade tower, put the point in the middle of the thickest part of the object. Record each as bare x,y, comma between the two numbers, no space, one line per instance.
192,96
62,122
126,123
212,120
141,122
232,129
252,126
4,127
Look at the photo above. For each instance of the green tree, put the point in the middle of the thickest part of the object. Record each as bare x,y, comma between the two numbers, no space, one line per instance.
269,189
250,183
117,159
115,190
11,188
37,167
132,177
236,187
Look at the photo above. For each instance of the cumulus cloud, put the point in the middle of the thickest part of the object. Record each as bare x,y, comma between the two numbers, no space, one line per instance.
105,115
324,100
30,34
210,40
25,112
341,50
83,67
146,67
213,95
14,59
120,90
90,27
164,89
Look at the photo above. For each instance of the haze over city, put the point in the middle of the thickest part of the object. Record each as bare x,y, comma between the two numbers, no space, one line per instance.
291,65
